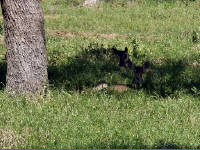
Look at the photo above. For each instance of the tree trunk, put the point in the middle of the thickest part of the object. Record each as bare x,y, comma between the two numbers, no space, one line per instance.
25,44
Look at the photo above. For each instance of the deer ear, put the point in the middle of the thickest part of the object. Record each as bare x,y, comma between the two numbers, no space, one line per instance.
126,49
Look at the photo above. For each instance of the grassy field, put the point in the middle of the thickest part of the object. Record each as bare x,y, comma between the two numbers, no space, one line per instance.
163,114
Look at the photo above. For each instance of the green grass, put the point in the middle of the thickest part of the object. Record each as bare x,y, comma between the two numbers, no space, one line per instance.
102,120
163,114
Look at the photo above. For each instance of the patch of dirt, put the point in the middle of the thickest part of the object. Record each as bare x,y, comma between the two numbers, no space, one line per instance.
61,33
111,36
82,34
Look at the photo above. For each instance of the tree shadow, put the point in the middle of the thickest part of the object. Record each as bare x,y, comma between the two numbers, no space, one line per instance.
3,70
93,65
85,70
172,76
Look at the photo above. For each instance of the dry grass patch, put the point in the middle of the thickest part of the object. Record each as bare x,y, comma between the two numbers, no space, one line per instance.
111,36
69,34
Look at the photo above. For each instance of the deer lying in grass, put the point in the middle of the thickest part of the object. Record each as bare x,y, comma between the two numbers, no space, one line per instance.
117,87
125,62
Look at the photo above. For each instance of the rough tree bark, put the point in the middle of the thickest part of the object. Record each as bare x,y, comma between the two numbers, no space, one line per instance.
25,44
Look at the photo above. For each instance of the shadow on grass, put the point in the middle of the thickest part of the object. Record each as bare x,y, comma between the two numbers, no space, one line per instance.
172,76
85,70
94,65
139,144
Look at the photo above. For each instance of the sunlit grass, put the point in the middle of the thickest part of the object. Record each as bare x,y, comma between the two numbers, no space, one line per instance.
103,120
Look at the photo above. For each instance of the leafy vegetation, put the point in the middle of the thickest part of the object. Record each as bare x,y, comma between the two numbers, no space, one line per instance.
164,113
